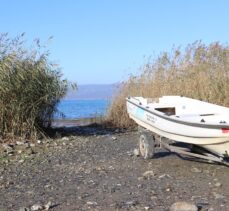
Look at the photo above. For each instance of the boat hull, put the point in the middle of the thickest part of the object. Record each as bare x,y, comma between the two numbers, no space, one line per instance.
212,139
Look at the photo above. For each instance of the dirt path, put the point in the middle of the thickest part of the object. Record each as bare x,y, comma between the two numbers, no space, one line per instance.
96,169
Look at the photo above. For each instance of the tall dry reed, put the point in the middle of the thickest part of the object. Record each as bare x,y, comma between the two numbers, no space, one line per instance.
30,88
199,71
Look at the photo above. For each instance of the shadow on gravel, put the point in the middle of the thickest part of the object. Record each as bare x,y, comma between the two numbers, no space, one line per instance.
162,154
88,130
158,155
199,160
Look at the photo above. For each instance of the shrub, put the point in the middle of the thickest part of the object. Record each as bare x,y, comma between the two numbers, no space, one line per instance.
199,71
30,89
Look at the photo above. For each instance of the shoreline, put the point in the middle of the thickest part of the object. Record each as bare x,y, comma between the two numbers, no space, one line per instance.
76,122
68,172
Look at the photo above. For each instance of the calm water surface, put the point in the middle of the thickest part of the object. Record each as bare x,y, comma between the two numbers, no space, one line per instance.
77,109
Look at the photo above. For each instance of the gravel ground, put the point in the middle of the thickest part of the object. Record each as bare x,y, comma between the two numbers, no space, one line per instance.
94,169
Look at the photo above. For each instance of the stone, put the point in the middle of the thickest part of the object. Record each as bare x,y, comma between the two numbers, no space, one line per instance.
131,203
65,139
91,203
130,153
10,152
32,145
111,168
140,178
114,138
20,142
148,174
218,184
196,170
48,205
39,142
162,176
218,196
183,206
139,186
7,147
36,207
136,152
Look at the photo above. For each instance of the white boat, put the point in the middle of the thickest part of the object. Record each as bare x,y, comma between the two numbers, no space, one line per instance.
185,120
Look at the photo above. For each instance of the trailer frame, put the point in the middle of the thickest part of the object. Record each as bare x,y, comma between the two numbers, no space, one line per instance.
149,141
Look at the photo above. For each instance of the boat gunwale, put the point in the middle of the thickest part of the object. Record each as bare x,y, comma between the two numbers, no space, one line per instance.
203,125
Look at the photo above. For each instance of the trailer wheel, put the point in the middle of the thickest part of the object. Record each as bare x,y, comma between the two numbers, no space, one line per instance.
146,146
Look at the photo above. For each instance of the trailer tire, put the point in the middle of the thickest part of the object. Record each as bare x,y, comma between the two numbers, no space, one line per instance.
146,146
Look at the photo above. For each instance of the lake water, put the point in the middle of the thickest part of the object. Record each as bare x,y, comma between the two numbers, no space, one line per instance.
77,109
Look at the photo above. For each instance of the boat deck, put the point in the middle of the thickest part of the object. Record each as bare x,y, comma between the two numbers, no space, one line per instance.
179,112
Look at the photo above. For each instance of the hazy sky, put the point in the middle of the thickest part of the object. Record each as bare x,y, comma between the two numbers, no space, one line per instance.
102,41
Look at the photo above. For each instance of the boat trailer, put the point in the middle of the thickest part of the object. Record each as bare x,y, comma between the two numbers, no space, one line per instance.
149,141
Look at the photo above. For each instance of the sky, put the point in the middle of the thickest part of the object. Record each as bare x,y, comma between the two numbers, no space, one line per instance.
104,41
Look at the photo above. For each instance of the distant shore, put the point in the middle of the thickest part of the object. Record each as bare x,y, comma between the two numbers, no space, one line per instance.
76,122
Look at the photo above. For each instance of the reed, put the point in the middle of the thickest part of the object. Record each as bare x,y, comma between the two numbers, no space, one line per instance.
198,71
30,88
